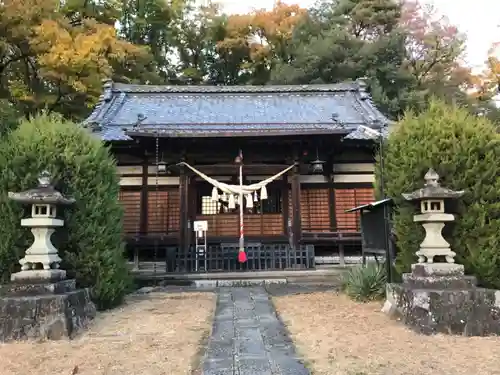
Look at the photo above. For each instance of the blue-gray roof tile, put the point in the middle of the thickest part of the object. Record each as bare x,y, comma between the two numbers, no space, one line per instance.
128,110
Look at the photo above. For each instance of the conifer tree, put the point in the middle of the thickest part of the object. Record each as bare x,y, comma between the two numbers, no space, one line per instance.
465,151
90,244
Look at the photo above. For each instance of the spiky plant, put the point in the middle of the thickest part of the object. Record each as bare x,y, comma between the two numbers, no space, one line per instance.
365,283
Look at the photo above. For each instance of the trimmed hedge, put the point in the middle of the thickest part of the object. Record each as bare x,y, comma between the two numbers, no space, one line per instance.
91,244
465,151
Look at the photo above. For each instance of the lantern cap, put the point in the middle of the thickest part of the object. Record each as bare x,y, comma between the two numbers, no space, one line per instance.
432,189
45,193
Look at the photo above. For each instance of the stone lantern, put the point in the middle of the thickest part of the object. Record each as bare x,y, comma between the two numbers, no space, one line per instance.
40,302
437,297
433,218
41,260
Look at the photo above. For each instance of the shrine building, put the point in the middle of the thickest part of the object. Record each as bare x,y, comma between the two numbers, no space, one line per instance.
311,147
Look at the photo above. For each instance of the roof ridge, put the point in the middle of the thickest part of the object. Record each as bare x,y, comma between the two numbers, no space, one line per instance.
236,89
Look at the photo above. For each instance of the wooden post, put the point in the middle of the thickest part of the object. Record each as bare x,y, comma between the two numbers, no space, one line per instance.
143,223
184,213
286,196
296,223
143,218
191,207
331,196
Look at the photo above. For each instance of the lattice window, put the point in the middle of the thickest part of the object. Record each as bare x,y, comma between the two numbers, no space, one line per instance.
163,210
346,199
315,209
204,203
131,203
206,206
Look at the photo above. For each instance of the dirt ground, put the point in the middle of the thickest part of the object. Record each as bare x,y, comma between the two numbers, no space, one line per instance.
155,335
339,337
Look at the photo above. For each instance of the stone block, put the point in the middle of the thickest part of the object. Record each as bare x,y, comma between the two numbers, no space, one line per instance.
439,282
437,269
218,367
253,366
24,289
45,316
38,276
205,284
469,312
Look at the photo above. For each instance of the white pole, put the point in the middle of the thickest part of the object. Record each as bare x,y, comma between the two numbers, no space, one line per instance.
242,235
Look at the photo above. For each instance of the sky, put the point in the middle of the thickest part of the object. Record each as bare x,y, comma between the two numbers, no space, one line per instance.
478,19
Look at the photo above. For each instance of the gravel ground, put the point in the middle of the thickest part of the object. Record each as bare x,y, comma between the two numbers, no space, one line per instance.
336,336
153,334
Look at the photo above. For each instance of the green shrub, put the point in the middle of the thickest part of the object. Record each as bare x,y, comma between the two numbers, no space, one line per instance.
9,117
91,244
365,283
465,151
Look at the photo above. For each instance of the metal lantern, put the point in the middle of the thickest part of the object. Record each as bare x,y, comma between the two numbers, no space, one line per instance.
161,167
317,165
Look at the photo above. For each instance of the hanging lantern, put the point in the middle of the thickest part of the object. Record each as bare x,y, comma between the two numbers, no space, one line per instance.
263,193
317,165
161,167
215,194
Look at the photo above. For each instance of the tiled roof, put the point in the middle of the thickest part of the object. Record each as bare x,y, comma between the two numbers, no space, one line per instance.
208,111
361,133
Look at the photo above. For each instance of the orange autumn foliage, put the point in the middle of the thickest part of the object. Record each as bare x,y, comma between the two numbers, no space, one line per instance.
262,33
80,55
47,59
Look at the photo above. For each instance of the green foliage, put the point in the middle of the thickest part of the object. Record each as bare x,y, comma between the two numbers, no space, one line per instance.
365,283
55,54
465,151
9,117
91,245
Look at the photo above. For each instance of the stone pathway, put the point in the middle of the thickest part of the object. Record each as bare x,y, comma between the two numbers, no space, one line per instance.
247,337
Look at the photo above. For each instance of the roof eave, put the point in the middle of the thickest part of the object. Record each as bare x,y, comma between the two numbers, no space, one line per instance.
277,133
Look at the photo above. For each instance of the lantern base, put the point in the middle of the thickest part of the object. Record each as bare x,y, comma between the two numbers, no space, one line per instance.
33,288
38,276
437,269
439,298
51,310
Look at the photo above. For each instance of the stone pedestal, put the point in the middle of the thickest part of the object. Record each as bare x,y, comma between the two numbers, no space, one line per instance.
434,243
43,310
439,298
42,251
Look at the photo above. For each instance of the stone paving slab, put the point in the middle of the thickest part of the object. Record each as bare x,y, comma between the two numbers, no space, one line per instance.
296,288
248,338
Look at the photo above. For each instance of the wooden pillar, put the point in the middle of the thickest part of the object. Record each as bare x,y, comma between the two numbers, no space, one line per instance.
296,221
285,202
143,218
184,211
331,195
191,208
143,223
